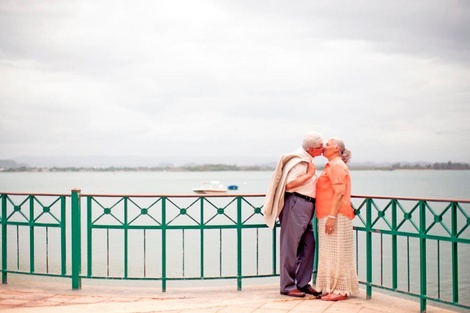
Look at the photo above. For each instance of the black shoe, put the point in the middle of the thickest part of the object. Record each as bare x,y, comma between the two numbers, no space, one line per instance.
309,290
294,293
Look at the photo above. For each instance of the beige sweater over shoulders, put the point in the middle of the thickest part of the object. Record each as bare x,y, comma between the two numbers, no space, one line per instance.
275,195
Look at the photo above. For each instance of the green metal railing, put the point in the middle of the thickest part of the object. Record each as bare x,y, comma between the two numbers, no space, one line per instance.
169,220
415,247
433,252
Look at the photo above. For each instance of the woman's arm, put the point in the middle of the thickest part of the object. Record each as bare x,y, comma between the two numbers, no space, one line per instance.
339,190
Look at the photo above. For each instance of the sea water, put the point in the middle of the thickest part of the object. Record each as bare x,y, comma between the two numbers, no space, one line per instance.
446,184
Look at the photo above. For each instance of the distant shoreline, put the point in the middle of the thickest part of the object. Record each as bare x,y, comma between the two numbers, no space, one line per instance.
225,167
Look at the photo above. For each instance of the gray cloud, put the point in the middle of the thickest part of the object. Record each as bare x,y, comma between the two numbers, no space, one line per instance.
234,78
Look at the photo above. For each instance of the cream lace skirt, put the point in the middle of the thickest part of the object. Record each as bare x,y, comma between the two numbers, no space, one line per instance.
336,263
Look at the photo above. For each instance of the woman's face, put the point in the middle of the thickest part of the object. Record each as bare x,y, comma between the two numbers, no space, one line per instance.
330,148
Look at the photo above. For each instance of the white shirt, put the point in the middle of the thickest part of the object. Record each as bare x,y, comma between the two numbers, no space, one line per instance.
309,188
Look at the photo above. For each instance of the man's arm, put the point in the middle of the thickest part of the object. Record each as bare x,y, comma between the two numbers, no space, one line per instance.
302,179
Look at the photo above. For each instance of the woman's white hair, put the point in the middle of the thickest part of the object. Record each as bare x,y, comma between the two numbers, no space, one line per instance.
344,153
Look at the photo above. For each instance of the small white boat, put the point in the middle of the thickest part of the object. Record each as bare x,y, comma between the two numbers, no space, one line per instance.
213,186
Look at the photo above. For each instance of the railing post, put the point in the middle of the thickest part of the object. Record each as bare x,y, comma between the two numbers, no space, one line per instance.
31,234
89,235
369,248
164,244
455,256
76,240
201,237
4,239
239,243
422,258
394,246
126,239
63,236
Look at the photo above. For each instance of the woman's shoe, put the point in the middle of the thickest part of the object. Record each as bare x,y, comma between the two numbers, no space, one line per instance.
334,297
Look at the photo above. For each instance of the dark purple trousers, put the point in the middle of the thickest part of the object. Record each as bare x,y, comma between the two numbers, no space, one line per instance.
297,243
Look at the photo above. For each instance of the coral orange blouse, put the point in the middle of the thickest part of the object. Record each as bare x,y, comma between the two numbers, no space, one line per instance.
335,173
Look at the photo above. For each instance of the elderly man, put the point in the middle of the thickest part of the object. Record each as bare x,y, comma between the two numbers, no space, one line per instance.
291,198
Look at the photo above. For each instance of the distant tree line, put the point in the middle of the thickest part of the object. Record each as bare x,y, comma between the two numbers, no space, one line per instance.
189,168
434,166
225,167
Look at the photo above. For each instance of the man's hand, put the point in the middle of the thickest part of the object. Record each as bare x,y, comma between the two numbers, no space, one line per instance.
302,179
311,169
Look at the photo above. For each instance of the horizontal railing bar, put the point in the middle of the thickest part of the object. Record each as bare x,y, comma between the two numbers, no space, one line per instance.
35,194
414,235
36,274
33,224
415,295
17,223
189,195
177,227
178,278
384,231
411,198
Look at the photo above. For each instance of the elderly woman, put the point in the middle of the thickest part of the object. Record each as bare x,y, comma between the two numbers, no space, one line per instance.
337,277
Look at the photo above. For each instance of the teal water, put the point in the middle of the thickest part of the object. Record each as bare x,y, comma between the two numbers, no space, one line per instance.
406,183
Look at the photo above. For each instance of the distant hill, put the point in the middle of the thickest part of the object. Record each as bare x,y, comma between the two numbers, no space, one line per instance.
11,164
136,161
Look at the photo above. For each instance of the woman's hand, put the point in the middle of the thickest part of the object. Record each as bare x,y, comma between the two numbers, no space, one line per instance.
330,225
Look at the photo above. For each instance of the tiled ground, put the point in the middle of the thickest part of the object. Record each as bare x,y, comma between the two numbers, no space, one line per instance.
32,296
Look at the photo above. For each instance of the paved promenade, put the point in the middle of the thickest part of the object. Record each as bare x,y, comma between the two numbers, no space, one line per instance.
45,297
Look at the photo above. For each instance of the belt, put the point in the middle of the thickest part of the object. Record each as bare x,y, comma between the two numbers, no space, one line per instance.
303,196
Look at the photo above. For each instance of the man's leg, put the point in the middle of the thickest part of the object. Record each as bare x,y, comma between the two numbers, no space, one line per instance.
293,223
306,257
288,246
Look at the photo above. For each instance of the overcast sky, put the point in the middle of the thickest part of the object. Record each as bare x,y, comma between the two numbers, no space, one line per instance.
235,79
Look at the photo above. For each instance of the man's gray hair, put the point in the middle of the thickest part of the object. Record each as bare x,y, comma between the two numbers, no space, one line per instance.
312,140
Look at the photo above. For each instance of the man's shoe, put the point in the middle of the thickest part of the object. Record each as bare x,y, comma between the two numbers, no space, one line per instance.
294,293
308,289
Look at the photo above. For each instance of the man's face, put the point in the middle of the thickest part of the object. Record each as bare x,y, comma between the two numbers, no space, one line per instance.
316,151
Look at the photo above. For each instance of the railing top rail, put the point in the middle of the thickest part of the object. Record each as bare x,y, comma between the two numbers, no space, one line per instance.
35,194
189,195
412,198
225,195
